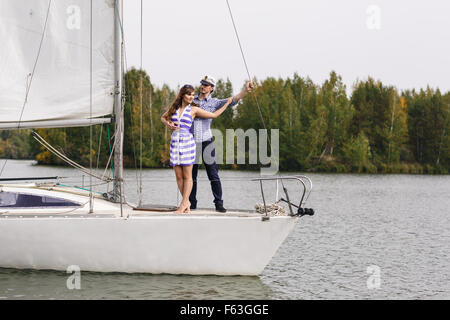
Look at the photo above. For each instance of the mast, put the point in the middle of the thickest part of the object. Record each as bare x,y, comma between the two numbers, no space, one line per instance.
118,116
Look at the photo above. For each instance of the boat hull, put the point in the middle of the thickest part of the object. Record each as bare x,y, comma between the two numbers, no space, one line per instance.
172,244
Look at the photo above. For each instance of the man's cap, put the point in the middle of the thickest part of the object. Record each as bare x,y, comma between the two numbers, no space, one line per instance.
208,81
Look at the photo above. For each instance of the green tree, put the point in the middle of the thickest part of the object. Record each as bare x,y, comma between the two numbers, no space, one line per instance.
428,124
375,130
358,154
372,102
223,89
337,114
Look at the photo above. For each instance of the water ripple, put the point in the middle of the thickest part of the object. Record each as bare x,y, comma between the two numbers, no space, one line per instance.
397,223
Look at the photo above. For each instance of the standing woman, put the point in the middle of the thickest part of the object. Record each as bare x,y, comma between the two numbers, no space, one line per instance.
179,118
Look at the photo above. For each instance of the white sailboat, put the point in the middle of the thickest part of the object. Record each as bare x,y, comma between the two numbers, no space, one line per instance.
52,76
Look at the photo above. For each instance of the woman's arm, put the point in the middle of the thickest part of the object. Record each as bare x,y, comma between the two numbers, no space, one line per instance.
197,112
167,123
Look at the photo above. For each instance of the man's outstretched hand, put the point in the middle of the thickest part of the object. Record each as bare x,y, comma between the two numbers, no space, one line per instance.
249,86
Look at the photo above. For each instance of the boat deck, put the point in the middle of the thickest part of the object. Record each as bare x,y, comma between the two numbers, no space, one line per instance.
197,212
102,208
127,212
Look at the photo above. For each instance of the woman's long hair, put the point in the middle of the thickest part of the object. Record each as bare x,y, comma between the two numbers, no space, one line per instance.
186,89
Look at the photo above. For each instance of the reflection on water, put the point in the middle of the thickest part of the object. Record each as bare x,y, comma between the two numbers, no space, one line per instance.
45,284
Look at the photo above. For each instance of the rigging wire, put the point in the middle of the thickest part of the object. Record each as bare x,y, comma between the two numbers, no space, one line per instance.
49,147
99,146
133,146
35,63
119,123
133,143
111,152
150,102
246,66
31,75
250,79
91,199
140,129
124,92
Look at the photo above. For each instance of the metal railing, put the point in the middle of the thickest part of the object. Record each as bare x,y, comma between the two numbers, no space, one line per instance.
306,190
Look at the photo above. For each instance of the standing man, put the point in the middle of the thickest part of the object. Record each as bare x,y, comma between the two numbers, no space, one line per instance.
201,130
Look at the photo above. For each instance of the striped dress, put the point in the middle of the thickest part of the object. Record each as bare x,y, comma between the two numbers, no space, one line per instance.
182,144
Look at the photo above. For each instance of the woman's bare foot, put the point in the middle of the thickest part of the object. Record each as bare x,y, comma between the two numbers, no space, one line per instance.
188,208
184,208
181,208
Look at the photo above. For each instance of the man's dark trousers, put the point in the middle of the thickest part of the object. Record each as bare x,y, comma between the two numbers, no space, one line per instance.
211,170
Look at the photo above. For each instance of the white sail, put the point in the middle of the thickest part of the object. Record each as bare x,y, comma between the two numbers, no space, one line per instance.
59,89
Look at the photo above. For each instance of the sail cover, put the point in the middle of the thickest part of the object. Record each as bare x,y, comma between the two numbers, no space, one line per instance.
59,89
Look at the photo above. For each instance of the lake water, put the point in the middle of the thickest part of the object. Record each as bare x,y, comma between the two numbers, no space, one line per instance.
372,237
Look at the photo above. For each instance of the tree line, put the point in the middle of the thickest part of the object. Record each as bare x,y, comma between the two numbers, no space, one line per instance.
375,129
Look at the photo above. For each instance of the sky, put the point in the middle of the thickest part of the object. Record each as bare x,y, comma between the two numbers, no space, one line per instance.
404,43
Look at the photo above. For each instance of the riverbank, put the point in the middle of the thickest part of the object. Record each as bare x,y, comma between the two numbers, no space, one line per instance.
325,167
